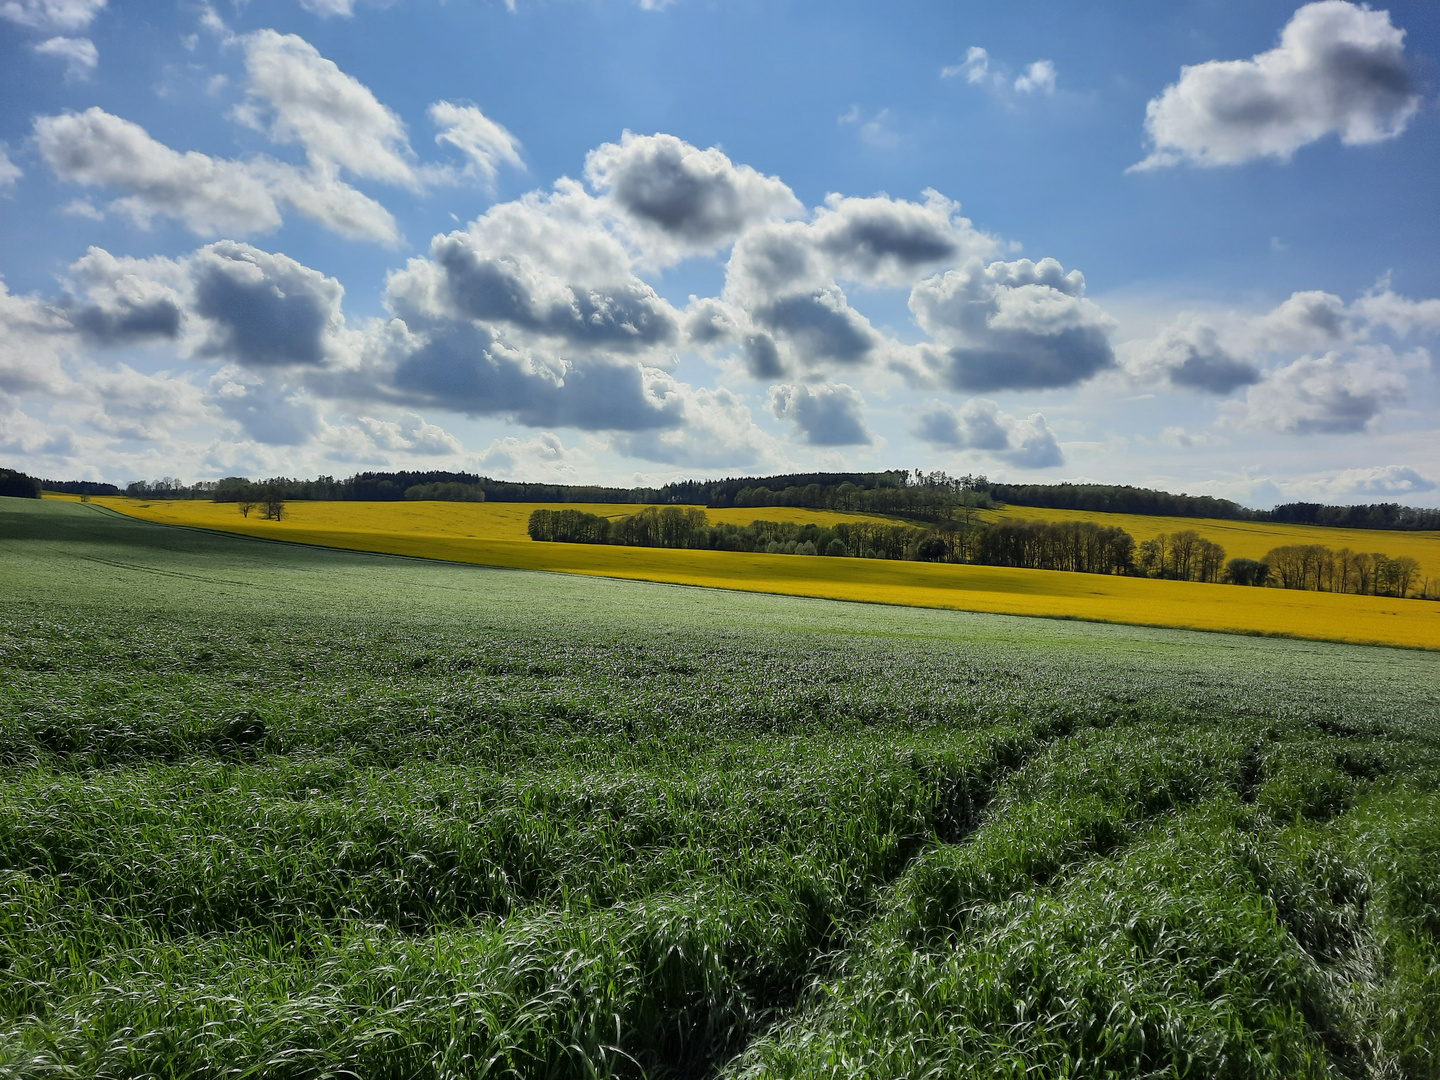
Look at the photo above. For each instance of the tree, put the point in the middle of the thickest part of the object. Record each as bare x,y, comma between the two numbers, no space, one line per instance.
1404,569
1247,572
274,501
246,503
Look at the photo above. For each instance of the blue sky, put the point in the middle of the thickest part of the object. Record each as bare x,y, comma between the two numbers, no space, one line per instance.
1185,245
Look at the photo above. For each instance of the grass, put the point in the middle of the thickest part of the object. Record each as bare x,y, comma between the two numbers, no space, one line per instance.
493,534
277,810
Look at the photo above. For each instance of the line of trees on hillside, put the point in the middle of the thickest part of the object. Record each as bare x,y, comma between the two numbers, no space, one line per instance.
1318,568
1076,546
924,496
18,485
1182,556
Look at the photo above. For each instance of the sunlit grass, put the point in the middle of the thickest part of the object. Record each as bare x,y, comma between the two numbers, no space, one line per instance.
493,534
287,811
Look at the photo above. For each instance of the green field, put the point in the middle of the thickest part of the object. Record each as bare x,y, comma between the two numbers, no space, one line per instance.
277,811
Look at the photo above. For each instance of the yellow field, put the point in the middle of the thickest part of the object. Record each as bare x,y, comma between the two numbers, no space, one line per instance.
493,534
1249,539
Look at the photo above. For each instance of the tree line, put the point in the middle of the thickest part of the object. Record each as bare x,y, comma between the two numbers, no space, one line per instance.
18,485
933,497
1318,568
1073,546
1076,546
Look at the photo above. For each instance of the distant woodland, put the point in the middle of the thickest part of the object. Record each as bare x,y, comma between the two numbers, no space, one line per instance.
1074,546
931,497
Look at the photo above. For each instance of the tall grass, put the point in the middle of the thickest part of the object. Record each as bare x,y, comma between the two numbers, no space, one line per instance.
271,811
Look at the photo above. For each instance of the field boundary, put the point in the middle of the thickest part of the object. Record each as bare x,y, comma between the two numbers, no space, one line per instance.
1059,617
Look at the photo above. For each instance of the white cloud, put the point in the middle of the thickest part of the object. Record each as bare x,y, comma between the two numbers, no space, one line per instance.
681,200
1190,354
299,97
327,8
33,336
227,301
411,433
1223,351
1402,315
1331,394
830,414
127,404
79,55
208,195
70,15
83,208
546,270
1380,481
782,299
1012,325
1338,69
272,412
979,68
975,68
9,171
716,431
486,144
541,457
980,425
1039,78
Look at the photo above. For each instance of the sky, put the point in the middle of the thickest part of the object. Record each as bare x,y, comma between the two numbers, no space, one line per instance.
1190,246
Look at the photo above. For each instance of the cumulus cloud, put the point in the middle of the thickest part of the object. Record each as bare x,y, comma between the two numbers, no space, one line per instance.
1306,320
682,199
1380,481
540,268
264,310
1339,69
1331,394
270,412
466,368
9,171
127,404
1189,354
716,430
1403,316
208,195
79,55
544,456
1311,363
32,339
411,434
980,425
68,15
299,97
485,144
228,301
825,415
786,306
1012,325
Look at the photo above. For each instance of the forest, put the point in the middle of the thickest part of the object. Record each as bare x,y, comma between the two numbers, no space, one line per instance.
933,496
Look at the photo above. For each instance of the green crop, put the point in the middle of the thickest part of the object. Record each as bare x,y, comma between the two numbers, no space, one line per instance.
268,810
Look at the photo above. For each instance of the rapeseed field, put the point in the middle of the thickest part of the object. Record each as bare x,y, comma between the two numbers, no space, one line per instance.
493,534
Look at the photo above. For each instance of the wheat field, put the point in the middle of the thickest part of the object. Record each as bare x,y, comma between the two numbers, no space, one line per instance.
493,534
